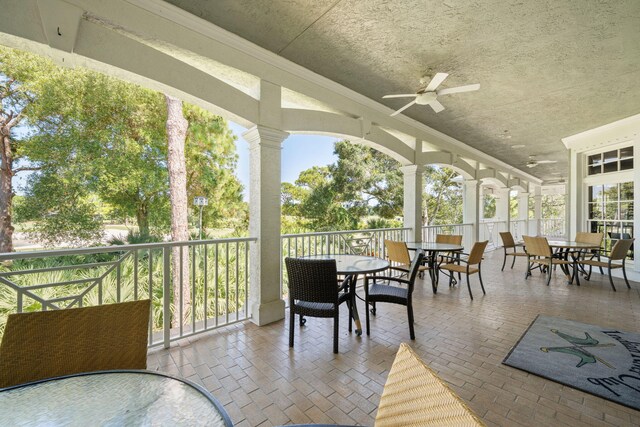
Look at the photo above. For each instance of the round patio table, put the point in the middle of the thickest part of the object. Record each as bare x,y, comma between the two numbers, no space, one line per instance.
123,397
352,266
431,249
565,248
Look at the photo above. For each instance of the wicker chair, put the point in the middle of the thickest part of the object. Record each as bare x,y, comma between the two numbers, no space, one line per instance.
591,238
509,243
618,253
313,292
399,259
55,343
473,258
376,291
539,252
414,396
452,239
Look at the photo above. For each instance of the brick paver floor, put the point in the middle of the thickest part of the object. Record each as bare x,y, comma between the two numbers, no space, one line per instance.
262,382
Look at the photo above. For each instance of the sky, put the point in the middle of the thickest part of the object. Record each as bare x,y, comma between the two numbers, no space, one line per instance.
299,152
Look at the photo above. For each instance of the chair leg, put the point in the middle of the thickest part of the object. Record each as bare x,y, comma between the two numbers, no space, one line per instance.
469,287
528,273
350,306
504,260
624,273
611,281
577,275
366,309
549,271
412,333
336,321
480,278
513,262
292,321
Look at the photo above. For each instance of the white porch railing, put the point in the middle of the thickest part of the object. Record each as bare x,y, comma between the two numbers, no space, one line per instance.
519,228
366,242
429,232
489,230
552,227
214,271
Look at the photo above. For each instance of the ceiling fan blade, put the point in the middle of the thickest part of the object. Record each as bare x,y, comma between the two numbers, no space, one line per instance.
541,162
437,107
395,113
467,88
435,81
402,95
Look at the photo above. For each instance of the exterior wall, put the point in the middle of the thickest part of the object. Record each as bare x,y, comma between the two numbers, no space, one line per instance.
623,133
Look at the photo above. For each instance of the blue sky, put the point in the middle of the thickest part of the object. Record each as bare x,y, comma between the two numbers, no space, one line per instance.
299,152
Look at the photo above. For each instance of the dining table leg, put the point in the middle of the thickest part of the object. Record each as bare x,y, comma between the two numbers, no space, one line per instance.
353,281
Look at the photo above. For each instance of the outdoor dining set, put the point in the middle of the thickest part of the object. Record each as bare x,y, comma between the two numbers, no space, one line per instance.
312,279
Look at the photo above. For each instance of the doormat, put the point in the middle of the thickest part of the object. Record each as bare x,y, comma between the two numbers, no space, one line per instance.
601,361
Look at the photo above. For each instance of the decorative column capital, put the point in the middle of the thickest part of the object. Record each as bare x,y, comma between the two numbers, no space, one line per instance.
412,169
265,136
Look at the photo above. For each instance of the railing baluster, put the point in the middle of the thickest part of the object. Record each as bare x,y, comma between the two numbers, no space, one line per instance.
246,280
194,300
216,284
166,304
237,283
205,274
226,281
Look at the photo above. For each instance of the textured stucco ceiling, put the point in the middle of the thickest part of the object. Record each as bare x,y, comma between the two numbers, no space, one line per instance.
547,69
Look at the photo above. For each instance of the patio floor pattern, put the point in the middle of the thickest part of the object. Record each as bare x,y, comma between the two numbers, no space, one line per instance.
261,382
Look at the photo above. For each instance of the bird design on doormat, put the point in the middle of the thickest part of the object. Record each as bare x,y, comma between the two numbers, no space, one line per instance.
578,348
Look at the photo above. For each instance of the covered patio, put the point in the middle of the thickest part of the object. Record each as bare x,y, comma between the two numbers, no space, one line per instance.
557,109
262,382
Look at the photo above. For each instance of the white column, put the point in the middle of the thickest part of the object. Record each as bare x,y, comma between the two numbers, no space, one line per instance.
413,200
537,210
502,208
265,299
523,214
575,217
471,210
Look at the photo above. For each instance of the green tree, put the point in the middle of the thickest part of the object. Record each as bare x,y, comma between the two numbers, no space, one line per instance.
23,81
442,198
99,135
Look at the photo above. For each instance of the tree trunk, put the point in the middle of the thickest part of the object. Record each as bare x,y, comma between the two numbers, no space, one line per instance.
6,192
142,219
176,135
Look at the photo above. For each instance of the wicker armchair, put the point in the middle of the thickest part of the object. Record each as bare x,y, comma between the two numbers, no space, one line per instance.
55,343
591,238
399,259
539,252
618,253
413,395
380,289
313,292
452,239
474,258
509,243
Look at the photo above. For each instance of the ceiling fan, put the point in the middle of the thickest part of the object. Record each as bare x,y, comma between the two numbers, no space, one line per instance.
428,95
532,163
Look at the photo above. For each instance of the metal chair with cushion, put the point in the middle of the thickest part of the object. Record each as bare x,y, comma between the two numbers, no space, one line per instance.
382,289
399,259
509,243
313,292
55,343
539,252
474,258
618,253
